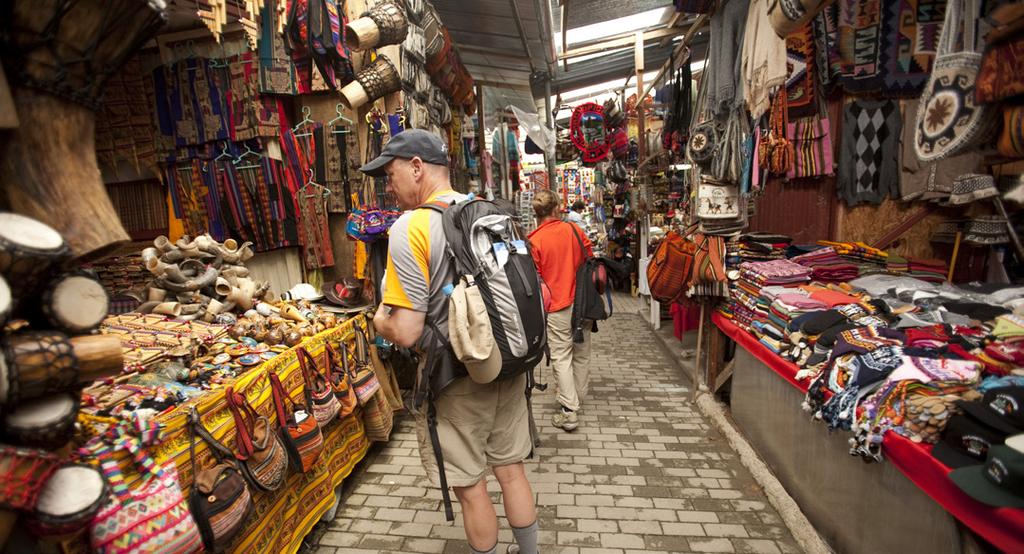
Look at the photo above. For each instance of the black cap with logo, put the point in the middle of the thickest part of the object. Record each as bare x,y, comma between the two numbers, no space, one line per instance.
999,482
407,145
1001,408
966,441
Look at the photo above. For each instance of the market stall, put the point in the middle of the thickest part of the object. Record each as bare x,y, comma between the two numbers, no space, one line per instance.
822,206
805,458
188,254
281,519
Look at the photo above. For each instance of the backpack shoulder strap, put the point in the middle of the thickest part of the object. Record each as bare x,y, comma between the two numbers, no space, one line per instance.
576,233
437,205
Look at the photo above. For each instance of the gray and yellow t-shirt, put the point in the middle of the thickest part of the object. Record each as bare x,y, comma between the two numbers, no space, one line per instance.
418,267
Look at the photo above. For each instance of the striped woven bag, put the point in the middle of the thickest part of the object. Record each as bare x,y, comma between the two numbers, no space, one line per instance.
300,431
812,147
152,518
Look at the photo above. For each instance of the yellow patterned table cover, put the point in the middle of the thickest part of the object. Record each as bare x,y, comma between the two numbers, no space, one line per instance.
280,519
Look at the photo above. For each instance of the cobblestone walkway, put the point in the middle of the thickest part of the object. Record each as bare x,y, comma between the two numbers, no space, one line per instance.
645,472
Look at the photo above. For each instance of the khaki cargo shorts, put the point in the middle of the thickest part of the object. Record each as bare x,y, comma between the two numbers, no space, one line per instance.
478,426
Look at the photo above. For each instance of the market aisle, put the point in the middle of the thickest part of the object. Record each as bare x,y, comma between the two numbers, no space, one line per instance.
645,472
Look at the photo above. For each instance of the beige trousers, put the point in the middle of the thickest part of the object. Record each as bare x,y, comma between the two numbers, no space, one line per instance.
571,361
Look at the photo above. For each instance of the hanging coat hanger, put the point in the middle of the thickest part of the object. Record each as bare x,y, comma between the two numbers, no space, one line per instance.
243,155
341,117
319,190
224,154
306,120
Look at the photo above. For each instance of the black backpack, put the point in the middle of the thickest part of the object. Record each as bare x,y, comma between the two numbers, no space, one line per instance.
473,230
588,303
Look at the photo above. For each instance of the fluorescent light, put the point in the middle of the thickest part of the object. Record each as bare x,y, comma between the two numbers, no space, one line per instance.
597,31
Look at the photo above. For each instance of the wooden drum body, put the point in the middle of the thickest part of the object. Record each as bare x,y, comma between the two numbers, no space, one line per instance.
63,52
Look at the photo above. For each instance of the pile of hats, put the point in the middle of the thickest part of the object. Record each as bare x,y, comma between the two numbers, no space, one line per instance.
985,447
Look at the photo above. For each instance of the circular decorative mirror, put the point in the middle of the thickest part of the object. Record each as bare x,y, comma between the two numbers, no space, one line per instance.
586,130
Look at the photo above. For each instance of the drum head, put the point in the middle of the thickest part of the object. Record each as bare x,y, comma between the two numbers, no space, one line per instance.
71,490
42,413
5,300
25,231
80,302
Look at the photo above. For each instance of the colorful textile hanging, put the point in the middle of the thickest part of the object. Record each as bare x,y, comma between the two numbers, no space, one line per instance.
801,85
277,72
910,36
826,46
300,161
860,26
124,130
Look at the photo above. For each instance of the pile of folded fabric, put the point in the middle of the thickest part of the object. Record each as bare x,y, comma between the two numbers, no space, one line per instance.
827,266
932,271
869,260
762,246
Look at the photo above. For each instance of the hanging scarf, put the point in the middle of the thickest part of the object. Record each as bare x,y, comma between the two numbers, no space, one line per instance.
300,153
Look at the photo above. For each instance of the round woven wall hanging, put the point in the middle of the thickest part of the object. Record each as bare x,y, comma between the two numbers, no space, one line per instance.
586,130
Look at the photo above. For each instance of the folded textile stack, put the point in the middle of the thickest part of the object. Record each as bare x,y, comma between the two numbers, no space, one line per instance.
761,247
774,272
760,285
827,266
933,271
869,260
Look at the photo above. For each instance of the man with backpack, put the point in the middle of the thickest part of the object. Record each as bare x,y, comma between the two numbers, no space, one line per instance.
560,248
466,423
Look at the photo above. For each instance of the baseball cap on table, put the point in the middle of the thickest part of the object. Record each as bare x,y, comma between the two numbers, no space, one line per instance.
469,332
1001,408
966,441
407,145
997,482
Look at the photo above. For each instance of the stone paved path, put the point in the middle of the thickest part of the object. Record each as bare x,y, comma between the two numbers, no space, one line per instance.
645,472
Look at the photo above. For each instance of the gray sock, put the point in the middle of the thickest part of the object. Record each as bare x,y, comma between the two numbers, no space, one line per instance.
526,538
492,550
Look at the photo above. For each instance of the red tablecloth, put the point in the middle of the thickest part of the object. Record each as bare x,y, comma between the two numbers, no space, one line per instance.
1003,527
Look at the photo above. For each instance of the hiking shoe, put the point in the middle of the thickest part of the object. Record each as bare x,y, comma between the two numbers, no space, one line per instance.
568,421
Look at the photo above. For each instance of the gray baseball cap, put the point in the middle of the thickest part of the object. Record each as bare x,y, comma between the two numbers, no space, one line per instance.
407,145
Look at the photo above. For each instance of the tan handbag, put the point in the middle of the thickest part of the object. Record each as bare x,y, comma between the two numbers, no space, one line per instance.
378,418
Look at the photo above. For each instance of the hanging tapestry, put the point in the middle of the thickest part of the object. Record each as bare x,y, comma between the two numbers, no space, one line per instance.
860,27
801,83
124,129
869,153
277,72
250,113
910,36
826,46
190,196
341,167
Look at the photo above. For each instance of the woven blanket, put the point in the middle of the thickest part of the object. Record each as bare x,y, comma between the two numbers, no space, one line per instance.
801,83
860,28
910,35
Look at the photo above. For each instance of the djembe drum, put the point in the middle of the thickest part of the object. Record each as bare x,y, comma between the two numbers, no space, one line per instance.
68,501
28,250
59,54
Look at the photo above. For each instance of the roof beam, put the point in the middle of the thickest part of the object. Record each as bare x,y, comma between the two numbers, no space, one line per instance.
619,42
487,51
505,84
690,33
